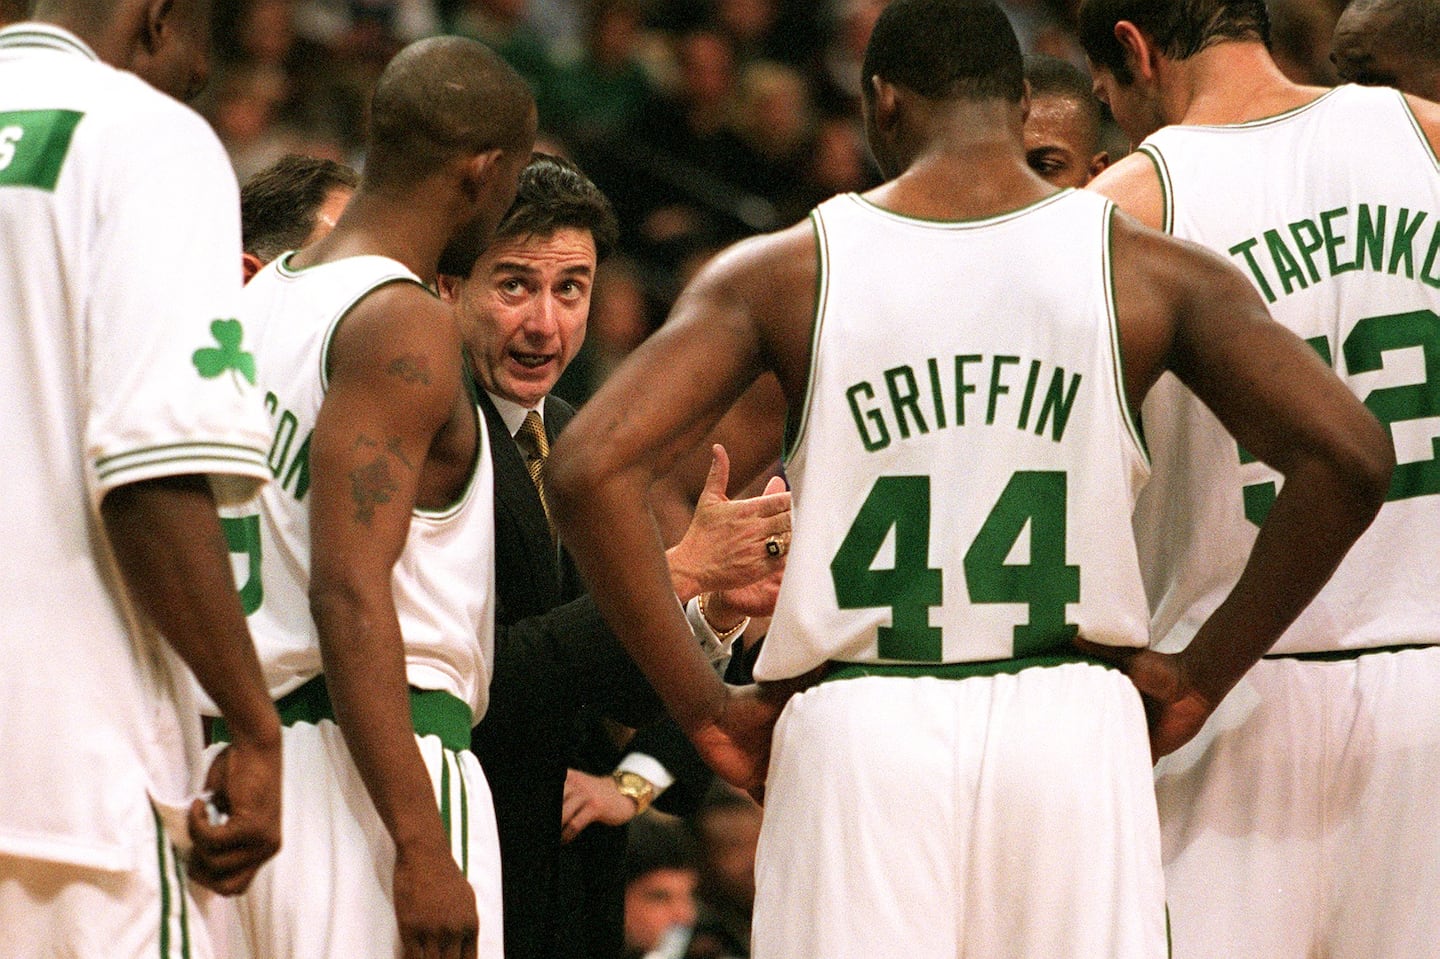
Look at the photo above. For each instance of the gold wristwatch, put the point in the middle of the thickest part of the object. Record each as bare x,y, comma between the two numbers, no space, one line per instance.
636,786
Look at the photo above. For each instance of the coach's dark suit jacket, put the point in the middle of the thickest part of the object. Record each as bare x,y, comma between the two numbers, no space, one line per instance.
554,656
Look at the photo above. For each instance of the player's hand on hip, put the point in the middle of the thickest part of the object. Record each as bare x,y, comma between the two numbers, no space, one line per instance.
737,743
434,906
1174,708
238,830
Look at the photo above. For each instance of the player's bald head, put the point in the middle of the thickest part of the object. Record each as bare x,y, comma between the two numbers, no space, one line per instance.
1390,43
443,98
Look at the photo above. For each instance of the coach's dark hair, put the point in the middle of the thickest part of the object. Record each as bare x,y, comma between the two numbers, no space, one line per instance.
441,98
1179,29
553,195
278,205
946,49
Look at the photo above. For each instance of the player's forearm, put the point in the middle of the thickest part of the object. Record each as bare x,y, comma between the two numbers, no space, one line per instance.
364,664
167,541
613,539
1322,509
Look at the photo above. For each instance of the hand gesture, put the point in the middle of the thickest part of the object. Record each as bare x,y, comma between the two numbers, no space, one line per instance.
434,905
592,799
1174,708
725,545
231,845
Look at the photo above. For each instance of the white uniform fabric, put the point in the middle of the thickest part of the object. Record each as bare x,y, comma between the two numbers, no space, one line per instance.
119,225
1368,173
337,849
963,475
318,897
444,580
1303,820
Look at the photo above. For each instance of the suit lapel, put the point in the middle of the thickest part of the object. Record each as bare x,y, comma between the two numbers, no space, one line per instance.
517,505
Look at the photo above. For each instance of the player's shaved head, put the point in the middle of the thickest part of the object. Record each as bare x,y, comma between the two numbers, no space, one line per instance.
442,98
945,49
1390,43
1062,130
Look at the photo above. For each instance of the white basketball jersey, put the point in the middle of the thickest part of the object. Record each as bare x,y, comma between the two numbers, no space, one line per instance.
964,467
443,583
1333,211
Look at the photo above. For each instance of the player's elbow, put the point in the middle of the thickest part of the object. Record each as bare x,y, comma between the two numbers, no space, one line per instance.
1363,459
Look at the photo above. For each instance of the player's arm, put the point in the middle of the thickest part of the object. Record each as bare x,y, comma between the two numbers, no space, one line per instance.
394,375
1185,309
1134,186
657,407
1427,114
167,542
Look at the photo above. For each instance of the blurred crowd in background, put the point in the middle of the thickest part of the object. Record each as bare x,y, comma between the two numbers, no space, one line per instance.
703,120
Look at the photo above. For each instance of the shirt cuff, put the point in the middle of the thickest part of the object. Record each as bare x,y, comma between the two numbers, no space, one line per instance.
717,650
649,767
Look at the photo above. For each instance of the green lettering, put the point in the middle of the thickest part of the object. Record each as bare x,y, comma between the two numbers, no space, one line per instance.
935,394
1029,393
1333,241
1405,241
881,439
1057,404
997,365
1285,263
908,400
297,477
280,446
1370,237
962,388
1244,249
1308,248
1430,254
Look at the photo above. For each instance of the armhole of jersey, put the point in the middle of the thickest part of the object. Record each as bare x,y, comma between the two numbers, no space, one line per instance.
1167,192
440,515
1425,143
345,311
795,424
1117,351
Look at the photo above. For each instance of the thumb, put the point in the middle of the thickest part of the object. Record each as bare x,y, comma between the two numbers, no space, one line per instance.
719,478
776,485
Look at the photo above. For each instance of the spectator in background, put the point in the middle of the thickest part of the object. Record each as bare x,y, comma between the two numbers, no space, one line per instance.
1393,43
775,122
291,204
661,876
503,26
727,828
599,95
1062,130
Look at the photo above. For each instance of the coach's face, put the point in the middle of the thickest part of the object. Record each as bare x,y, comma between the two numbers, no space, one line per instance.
523,311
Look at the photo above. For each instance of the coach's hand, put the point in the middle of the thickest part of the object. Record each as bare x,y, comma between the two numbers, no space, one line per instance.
1174,708
434,905
230,846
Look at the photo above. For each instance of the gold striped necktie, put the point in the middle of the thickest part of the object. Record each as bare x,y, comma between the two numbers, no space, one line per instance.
536,447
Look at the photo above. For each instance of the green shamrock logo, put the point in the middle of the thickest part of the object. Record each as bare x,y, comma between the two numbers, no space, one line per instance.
211,361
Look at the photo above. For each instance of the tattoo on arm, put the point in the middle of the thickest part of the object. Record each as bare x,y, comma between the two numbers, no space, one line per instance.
373,484
412,368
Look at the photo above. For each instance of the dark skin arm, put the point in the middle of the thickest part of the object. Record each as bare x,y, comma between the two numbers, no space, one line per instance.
390,436
1185,309
711,350
167,541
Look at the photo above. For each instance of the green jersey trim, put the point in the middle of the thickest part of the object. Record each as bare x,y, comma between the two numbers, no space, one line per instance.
206,456
1117,348
1263,121
44,36
1419,131
34,145
975,224
1167,186
1341,655
453,509
822,294
989,667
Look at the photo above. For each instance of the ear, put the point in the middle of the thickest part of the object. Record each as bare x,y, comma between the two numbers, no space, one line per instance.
1098,163
250,264
1140,56
886,101
448,287
157,25
477,173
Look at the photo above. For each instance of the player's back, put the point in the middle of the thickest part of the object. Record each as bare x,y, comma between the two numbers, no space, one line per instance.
442,594
964,466
1333,211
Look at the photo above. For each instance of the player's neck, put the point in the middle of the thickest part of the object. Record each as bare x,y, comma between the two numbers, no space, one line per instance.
376,226
980,179
1231,82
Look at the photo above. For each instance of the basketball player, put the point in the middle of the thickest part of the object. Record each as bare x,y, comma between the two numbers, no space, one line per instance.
964,460
379,521
128,413
291,203
1393,43
1062,130
1302,820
